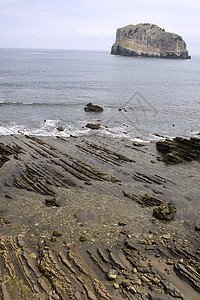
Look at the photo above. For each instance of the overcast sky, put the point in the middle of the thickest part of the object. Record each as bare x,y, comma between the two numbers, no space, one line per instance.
92,24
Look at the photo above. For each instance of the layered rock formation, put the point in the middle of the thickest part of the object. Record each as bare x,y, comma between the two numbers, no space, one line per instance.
149,40
87,217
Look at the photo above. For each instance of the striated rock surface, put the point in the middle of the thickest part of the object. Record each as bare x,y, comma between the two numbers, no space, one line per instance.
76,221
179,150
149,40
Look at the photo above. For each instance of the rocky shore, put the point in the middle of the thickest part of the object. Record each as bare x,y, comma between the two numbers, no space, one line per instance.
98,218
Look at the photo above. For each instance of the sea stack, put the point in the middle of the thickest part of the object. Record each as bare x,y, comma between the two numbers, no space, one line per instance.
149,40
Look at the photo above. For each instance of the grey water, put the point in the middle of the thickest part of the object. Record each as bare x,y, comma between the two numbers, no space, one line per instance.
142,97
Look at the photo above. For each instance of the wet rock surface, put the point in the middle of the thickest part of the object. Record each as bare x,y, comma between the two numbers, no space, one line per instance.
93,126
60,128
64,239
93,108
165,211
91,272
179,150
197,225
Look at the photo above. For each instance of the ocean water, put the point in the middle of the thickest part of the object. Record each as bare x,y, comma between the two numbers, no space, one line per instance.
143,98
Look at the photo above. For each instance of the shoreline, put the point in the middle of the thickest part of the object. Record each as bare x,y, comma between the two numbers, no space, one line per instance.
72,203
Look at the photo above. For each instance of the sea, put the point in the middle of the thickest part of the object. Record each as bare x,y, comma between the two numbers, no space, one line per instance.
143,98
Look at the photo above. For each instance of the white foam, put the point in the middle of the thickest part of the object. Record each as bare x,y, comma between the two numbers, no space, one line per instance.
11,129
138,140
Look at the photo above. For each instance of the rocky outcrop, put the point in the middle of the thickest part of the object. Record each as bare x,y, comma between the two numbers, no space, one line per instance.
93,108
93,126
179,150
165,211
149,40
86,238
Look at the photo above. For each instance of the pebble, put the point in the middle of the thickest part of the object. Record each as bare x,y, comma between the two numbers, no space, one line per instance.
143,242
126,283
57,233
132,289
116,285
134,270
181,260
53,239
138,282
167,270
144,279
170,261
167,236
112,274
155,280
122,223
83,238
77,295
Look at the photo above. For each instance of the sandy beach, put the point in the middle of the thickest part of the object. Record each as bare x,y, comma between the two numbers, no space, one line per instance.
97,218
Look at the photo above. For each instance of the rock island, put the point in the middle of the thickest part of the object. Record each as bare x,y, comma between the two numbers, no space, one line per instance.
149,40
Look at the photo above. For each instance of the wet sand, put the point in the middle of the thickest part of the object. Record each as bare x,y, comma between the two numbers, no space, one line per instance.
77,220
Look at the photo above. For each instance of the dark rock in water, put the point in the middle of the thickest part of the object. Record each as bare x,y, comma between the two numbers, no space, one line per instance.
60,128
149,40
197,225
179,149
93,126
139,144
165,211
93,108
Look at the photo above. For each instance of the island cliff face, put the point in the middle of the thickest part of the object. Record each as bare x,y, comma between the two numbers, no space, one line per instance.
149,40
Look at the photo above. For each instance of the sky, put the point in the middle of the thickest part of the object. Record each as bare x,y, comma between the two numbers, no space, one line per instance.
91,24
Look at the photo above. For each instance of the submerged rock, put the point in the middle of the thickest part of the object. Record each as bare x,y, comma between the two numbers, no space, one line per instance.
165,211
93,108
60,128
93,126
149,40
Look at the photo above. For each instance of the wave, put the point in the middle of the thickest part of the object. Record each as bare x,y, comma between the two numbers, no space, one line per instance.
7,103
